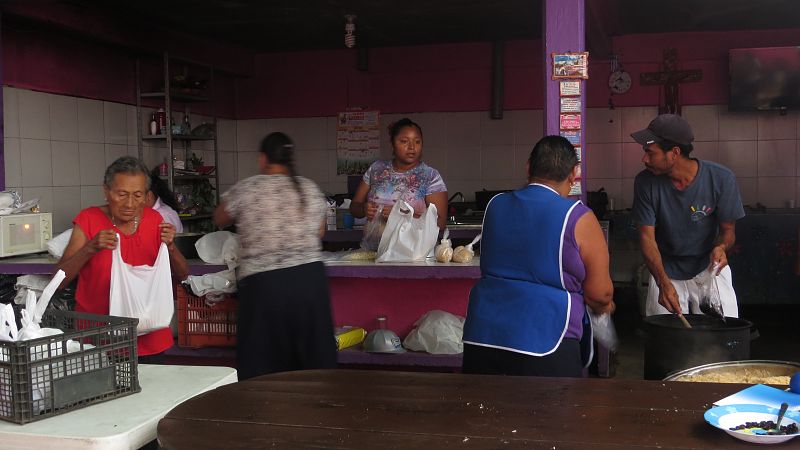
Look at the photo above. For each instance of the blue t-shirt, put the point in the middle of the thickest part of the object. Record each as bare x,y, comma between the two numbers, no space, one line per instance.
687,222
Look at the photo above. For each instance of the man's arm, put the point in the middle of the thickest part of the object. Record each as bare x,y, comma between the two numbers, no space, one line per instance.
667,296
724,242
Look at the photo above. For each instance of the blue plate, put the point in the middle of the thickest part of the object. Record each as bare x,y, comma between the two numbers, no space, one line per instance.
731,416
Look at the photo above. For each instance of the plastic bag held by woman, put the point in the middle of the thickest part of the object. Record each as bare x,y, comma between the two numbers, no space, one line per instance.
407,238
373,231
143,291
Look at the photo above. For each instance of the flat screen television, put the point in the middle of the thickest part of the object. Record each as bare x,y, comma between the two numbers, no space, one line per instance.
764,79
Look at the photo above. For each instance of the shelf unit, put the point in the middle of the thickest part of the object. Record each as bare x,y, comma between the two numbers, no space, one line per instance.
179,146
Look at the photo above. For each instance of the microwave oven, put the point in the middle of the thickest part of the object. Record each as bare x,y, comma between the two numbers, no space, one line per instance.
21,234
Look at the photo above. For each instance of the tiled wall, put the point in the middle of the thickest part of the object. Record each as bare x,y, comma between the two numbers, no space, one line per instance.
761,149
57,147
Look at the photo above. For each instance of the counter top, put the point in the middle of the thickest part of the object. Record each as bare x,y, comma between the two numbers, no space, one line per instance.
415,270
44,264
456,232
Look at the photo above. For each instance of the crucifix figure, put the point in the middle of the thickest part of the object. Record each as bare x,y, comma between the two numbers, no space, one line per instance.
670,77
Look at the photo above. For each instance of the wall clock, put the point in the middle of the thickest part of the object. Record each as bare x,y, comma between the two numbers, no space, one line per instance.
619,81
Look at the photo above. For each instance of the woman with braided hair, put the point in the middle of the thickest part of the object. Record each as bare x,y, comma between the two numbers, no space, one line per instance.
284,318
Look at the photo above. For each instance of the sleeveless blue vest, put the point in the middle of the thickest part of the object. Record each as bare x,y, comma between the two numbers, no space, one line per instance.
520,303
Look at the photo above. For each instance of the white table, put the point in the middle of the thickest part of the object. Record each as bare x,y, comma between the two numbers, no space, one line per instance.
124,423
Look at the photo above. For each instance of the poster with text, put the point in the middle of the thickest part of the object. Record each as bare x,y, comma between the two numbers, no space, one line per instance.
573,136
575,188
357,141
570,104
569,122
569,88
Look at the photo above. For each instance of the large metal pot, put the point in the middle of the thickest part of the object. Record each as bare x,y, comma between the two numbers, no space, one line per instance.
670,347
737,371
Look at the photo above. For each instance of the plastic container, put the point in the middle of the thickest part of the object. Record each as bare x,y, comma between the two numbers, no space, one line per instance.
41,378
201,325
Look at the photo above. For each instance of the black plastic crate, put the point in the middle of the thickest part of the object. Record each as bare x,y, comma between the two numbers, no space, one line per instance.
40,378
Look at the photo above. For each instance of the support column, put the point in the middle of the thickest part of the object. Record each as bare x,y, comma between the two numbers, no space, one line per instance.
2,119
564,30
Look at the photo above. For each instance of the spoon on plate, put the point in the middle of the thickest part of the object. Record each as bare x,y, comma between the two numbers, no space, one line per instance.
781,413
777,429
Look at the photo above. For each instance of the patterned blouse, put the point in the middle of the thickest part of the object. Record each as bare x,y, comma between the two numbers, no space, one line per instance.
277,230
386,186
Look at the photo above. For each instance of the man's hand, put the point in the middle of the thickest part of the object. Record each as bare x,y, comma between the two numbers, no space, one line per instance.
104,240
167,234
668,297
719,258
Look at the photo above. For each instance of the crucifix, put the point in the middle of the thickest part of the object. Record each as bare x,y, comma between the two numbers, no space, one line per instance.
670,77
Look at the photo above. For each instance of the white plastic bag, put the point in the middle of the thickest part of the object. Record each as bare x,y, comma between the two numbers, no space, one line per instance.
603,330
407,238
143,292
8,326
437,332
213,283
56,246
219,247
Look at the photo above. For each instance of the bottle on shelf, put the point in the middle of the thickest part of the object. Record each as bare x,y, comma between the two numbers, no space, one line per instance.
161,117
153,125
163,168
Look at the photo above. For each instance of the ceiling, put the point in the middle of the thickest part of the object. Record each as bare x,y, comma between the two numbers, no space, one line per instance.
289,25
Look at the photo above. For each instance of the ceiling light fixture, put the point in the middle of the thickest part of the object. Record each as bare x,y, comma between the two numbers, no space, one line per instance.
350,31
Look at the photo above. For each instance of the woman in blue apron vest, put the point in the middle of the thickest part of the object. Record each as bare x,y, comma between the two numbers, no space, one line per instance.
544,260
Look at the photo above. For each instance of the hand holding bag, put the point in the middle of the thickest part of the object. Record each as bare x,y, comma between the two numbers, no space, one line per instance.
143,292
406,238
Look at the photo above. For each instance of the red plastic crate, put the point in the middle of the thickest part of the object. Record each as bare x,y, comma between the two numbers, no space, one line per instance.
201,325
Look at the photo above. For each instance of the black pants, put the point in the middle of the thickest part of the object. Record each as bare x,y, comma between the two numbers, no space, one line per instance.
564,362
284,321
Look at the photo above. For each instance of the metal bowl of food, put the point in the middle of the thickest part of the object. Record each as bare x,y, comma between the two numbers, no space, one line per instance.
746,372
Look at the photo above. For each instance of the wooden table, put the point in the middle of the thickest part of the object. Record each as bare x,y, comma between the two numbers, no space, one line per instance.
404,410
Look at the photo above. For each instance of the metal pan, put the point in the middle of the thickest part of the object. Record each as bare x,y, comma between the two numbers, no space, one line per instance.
774,368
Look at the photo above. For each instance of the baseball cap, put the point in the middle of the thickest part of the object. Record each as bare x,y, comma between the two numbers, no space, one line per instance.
669,127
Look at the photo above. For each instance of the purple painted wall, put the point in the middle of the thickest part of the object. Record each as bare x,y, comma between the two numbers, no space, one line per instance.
454,77
44,59
457,77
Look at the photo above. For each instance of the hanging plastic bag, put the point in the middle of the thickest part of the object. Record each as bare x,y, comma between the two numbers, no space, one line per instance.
709,301
603,330
437,332
143,292
373,231
407,238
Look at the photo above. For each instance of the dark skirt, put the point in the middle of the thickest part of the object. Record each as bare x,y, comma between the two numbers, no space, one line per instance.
284,321
564,362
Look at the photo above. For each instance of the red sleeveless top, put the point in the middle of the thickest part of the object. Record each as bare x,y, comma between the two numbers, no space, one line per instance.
94,279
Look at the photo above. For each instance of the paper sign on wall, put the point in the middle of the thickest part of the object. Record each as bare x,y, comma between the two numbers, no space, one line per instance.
569,122
570,104
569,88
573,136
357,141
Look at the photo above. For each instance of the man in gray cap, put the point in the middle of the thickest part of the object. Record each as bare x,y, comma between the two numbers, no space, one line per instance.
686,211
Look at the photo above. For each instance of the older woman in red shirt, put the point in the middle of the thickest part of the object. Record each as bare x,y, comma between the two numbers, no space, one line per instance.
141,230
